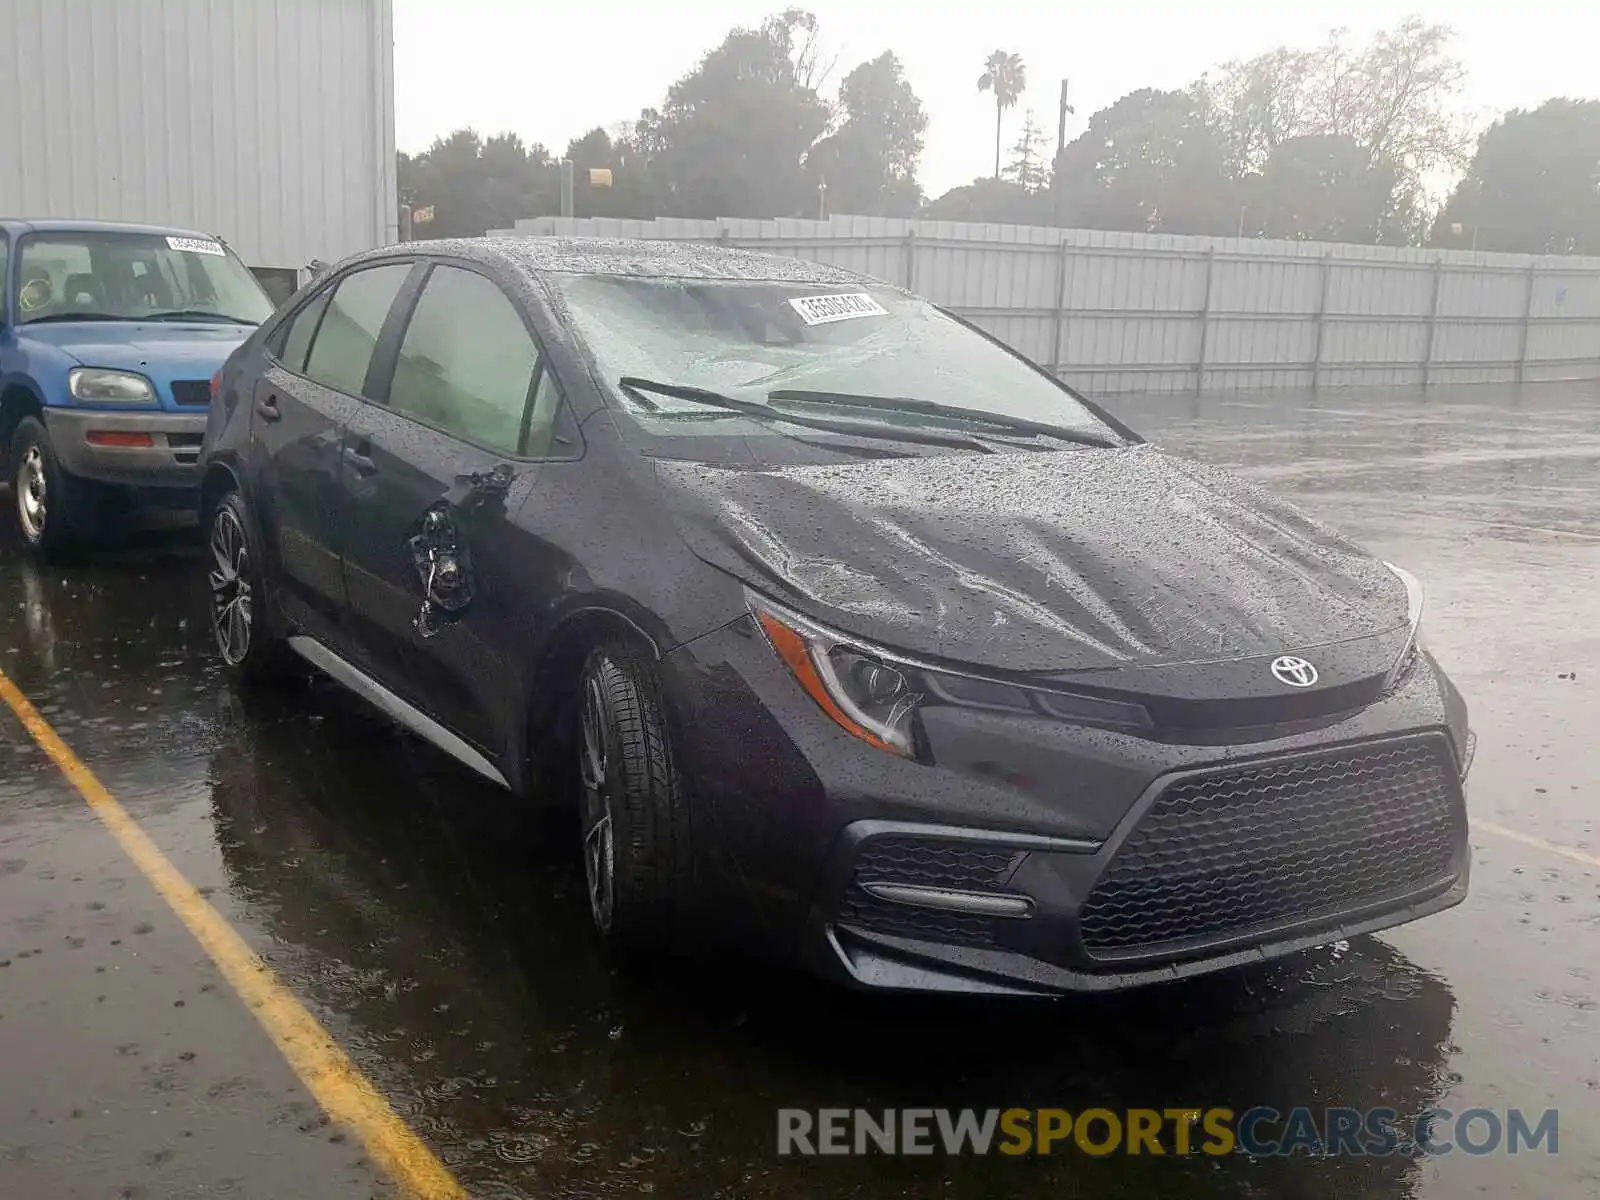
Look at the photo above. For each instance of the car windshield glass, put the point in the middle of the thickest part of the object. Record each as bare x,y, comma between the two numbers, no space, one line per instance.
134,277
749,339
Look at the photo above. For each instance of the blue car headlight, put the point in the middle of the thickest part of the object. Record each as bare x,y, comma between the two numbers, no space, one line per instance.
98,385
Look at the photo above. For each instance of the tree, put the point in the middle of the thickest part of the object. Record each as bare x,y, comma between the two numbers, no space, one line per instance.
998,200
630,193
1393,100
1005,76
869,163
1150,162
1027,166
732,135
1533,186
475,185
1322,187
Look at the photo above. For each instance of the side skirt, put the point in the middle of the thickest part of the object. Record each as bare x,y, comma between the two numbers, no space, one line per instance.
408,715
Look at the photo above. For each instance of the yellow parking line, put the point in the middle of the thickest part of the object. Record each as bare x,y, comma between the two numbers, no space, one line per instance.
1527,839
344,1093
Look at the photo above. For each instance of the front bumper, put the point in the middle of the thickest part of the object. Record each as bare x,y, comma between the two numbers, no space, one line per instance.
1211,868
171,460
790,806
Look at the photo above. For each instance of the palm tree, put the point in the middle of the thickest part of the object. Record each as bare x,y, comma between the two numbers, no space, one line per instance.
1005,76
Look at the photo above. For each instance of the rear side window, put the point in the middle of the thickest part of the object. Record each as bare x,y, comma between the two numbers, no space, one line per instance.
466,362
341,350
296,339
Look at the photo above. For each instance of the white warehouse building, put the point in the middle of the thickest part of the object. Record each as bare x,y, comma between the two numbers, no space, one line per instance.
269,123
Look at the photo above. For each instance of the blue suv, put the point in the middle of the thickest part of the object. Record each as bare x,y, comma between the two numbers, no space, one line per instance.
110,336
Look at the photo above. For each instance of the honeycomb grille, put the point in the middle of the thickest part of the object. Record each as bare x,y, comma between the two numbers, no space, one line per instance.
926,862
1244,851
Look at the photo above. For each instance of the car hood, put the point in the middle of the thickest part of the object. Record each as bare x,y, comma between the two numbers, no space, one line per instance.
142,346
1040,562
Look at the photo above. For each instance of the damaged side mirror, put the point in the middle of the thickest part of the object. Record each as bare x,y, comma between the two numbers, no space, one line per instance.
440,549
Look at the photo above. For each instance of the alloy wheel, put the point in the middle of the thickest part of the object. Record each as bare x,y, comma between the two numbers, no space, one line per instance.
599,844
231,596
31,493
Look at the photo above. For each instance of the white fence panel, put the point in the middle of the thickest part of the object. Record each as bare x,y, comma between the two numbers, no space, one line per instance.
1113,311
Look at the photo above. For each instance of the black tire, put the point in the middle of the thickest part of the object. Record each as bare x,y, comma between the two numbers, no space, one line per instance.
237,597
633,812
48,506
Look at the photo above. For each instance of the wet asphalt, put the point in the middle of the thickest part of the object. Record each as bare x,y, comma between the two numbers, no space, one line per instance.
442,937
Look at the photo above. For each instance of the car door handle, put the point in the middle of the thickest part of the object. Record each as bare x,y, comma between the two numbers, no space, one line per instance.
268,410
362,464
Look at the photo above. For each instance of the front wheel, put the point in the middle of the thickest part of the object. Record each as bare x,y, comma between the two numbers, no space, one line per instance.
46,501
634,814
249,649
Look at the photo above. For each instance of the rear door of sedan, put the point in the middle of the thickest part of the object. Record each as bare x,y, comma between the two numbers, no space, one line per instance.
436,468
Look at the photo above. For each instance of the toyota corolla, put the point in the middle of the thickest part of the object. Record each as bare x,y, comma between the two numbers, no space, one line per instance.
852,636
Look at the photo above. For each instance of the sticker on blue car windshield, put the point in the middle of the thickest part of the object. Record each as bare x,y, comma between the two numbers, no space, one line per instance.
820,310
196,245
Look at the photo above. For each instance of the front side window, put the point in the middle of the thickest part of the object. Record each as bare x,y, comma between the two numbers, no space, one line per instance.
749,339
295,339
342,346
107,276
466,362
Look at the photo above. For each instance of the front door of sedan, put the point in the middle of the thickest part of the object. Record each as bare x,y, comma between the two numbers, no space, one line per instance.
434,475
304,399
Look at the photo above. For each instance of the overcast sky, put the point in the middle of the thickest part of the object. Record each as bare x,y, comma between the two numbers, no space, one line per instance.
550,70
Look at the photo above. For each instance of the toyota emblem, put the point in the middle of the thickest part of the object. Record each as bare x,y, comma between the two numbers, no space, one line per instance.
1294,671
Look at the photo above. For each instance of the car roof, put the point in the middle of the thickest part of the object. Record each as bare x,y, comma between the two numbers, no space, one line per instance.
21,225
644,258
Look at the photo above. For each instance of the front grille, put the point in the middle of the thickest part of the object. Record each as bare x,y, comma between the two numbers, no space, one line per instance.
1247,850
195,393
926,862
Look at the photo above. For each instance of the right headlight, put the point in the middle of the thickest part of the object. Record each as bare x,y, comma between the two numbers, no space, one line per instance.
98,385
1414,642
876,696
865,694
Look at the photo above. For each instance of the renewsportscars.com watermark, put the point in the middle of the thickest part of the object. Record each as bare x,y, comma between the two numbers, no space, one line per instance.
1260,1132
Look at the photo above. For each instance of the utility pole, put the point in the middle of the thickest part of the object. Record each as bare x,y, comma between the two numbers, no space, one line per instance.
1061,144
567,204
822,199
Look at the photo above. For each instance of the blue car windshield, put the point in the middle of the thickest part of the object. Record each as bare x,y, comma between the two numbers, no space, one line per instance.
750,339
100,275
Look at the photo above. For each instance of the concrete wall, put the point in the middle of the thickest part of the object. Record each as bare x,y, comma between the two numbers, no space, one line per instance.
1138,312
268,122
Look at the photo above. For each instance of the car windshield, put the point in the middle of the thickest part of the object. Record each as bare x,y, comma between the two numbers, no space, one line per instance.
101,275
749,340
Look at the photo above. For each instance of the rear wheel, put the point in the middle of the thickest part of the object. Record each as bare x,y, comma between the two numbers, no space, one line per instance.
634,815
47,503
238,600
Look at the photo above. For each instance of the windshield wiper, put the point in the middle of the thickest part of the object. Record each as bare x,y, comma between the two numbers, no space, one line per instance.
197,314
636,387
75,316
948,412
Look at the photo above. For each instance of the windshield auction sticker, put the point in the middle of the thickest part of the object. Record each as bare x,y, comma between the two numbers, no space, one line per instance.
823,310
195,245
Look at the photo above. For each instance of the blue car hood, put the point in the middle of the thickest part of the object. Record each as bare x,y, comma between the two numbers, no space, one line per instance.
178,348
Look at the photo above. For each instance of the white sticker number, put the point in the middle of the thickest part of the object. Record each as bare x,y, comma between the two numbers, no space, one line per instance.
195,245
821,310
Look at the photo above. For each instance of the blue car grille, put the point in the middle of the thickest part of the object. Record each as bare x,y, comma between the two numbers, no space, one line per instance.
192,393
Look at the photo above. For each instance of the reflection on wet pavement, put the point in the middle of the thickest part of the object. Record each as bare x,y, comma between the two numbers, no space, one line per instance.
442,935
